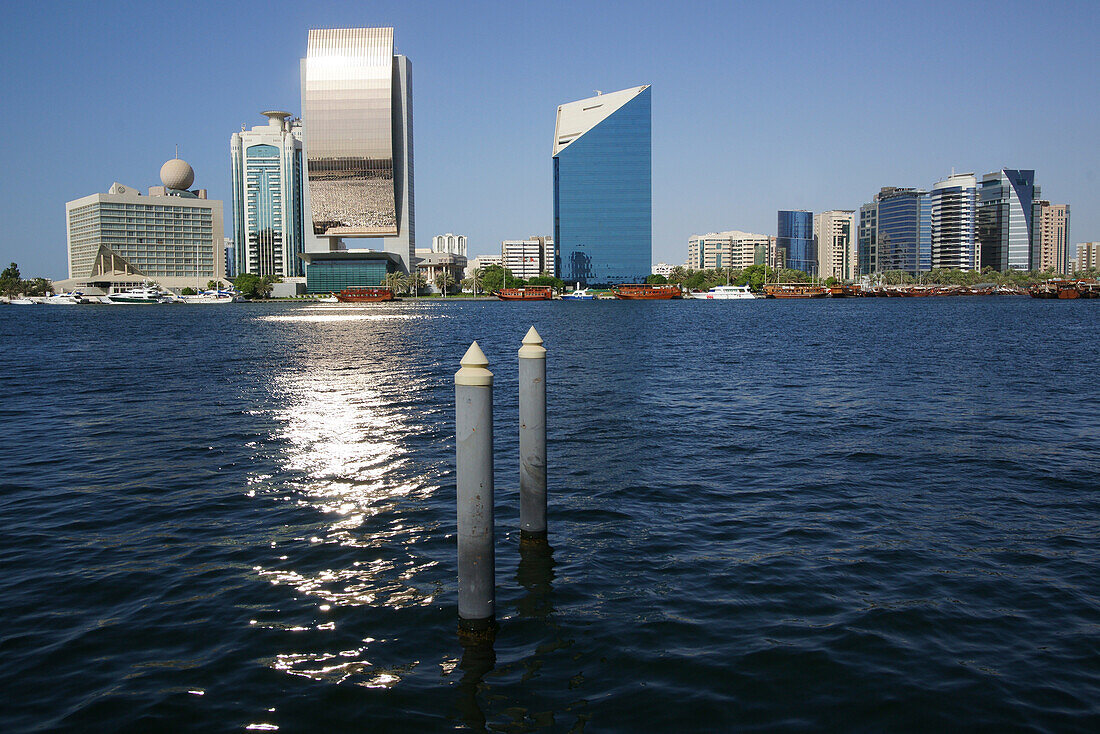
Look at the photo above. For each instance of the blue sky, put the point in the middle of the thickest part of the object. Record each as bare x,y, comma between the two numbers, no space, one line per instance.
756,106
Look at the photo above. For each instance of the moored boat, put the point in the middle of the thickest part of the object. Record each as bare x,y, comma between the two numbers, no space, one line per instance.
145,295
795,290
364,295
527,293
646,292
725,293
582,294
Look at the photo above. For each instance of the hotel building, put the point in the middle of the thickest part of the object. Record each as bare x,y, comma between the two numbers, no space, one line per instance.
954,238
732,249
454,244
603,188
529,258
835,238
1053,237
1088,256
268,197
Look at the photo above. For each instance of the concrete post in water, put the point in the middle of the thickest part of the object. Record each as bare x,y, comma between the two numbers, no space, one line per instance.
474,468
532,438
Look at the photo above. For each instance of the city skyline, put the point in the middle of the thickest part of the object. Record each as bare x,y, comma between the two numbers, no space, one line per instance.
733,166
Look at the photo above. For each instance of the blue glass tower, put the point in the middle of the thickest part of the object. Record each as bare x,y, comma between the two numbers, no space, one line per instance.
796,239
603,188
904,230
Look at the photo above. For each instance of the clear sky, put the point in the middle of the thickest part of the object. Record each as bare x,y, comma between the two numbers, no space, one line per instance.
756,106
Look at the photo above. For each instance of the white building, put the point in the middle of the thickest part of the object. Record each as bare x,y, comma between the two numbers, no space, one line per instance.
835,238
122,239
483,261
663,269
269,214
455,244
955,222
531,257
731,249
1088,256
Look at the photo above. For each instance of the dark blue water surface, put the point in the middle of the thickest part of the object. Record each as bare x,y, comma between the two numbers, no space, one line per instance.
867,515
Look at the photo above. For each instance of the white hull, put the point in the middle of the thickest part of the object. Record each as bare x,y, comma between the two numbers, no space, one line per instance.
726,293
206,300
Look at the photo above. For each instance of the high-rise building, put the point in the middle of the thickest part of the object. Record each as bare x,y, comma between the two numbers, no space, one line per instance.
1088,256
230,259
268,196
1007,228
1053,237
904,222
121,239
796,239
603,187
732,249
954,239
357,119
867,241
837,251
529,258
454,244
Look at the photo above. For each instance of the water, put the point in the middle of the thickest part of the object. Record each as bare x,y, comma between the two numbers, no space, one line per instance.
863,515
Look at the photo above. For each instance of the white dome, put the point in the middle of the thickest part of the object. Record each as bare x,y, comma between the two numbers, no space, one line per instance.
177,174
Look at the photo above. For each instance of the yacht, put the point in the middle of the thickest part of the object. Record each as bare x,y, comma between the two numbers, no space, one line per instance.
65,299
726,293
580,295
143,295
212,296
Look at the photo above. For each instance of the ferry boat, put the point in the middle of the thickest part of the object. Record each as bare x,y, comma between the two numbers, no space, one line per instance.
364,295
579,295
528,293
726,293
144,295
647,292
795,290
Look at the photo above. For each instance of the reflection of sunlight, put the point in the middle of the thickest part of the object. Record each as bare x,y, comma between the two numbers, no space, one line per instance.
331,316
342,455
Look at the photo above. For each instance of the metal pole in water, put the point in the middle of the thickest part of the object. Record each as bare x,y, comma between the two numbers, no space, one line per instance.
474,469
532,438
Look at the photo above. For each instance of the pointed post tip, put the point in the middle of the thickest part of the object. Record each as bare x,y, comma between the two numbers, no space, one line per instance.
474,357
532,346
532,337
473,368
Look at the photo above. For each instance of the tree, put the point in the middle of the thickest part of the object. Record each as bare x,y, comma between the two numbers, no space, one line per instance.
549,280
656,279
213,285
497,277
11,283
444,280
37,286
415,282
253,286
678,274
188,291
474,281
395,282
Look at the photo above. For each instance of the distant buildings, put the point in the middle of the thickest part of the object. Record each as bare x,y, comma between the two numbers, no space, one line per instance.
954,238
867,239
268,197
531,257
732,249
663,269
1053,237
835,241
1007,228
904,230
603,187
431,263
1088,256
357,117
230,259
121,239
482,262
452,243
796,240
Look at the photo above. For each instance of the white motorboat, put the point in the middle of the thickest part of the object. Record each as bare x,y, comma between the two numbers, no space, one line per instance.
23,302
212,296
726,293
327,299
579,295
64,299
143,296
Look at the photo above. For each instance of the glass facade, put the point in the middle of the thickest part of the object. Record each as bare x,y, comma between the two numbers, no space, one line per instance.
904,230
954,204
333,276
347,102
1007,227
796,240
603,197
868,239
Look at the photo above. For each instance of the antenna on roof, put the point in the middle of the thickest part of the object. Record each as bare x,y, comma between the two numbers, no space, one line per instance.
177,150
598,92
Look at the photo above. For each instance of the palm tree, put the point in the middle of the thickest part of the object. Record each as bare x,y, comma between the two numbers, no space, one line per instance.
474,281
394,281
414,282
678,274
444,279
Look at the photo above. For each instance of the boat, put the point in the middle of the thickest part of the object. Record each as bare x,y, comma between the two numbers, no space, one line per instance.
212,296
527,293
579,295
23,302
647,292
725,293
330,298
364,295
795,290
65,299
144,295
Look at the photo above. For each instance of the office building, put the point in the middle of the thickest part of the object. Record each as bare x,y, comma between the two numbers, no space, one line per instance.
954,238
731,249
357,119
529,258
867,239
904,230
1053,237
482,262
1088,256
455,244
835,242
230,259
122,239
268,196
796,239
1008,231
603,188
663,269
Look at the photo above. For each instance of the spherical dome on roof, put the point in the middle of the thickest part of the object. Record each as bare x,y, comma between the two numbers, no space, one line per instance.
177,174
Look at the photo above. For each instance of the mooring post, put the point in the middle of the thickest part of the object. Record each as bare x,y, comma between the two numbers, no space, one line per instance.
532,438
474,468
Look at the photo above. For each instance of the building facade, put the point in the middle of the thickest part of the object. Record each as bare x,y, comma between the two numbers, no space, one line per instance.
531,257
835,240
603,188
795,237
431,264
867,239
357,116
663,269
123,239
455,244
904,230
731,249
1008,232
268,197
482,262
230,259
1053,237
954,240
1088,256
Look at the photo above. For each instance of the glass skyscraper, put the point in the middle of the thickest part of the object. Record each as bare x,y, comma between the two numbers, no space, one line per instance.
796,240
904,230
1007,226
954,222
603,188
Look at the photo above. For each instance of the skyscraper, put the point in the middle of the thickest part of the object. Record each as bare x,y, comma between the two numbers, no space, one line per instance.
1007,229
867,244
1053,237
835,237
603,188
357,116
904,230
268,197
955,222
796,240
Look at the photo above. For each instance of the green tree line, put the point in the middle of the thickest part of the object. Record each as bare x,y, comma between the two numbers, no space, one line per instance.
12,283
